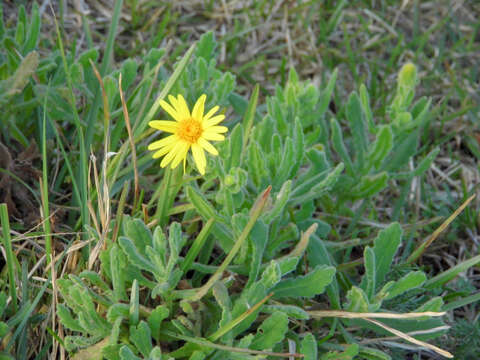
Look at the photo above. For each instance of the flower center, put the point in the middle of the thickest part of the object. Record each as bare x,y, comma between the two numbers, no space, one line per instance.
190,130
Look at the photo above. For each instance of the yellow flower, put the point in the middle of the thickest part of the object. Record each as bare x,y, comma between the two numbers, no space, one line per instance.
189,130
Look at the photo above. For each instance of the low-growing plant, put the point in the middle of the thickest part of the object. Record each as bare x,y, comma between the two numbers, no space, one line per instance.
244,251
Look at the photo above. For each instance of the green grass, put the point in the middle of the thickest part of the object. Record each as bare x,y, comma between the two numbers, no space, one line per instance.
362,164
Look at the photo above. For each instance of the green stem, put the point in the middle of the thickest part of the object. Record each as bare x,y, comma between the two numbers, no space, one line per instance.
7,243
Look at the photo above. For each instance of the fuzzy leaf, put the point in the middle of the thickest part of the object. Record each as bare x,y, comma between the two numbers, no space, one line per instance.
134,255
140,336
373,354
290,310
381,147
370,185
358,126
235,148
271,331
137,232
127,354
405,148
326,94
385,247
67,319
339,146
369,263
309,348
410,281
426,162
312,284
280,201
155,319
357,300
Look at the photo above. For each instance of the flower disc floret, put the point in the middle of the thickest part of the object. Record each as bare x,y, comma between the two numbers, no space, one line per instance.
189,131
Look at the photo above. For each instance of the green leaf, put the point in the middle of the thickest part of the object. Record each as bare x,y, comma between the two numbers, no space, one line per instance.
127,354
117,311
206,46
134,256
201,204
308,347
271,332
3,298
175,242
318,254
117,274
339,146
365,101
291,311
21,25
220,293
410,281
381,147
67,319
286,164
385,247
271,275
373,354
357,300
235,148
288,264
137,232
358,126
405,148
155,319
249,116
426,162
129,73
370,185
140,336
258,242
280,201
369,263
134,304
326,94
350,353
299,145
92,352
316,186
327,183
155,354
33,30
309,285
256,164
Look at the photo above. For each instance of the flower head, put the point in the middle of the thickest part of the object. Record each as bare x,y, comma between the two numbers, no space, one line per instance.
189,131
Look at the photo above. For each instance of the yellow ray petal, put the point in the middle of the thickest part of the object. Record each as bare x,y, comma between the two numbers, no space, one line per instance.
173,101
213,121
170,110
163,151
181,154
216,129
212,136
182,108
207,146
199,157
171,154
212,111
163,142
163,125
197,112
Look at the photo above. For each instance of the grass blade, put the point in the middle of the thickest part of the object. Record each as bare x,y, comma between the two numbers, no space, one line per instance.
7,243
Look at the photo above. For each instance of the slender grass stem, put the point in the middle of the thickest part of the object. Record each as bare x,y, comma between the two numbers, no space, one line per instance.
7,243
